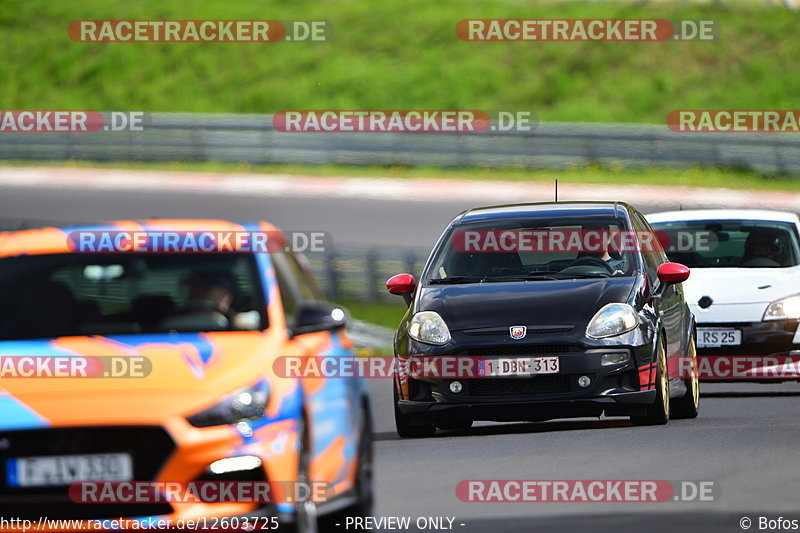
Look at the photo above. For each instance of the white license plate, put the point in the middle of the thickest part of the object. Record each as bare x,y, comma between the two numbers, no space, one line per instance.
711,337
519,366
56,470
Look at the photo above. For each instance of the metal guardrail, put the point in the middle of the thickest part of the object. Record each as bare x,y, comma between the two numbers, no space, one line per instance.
361,274
253,139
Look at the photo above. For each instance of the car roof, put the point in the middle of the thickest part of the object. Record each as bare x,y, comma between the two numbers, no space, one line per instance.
53,240
554,209
724,214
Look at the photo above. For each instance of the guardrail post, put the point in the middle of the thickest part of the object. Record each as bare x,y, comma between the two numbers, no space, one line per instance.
779,162
591,151
371,264
411,262
332,274
71,153
198,140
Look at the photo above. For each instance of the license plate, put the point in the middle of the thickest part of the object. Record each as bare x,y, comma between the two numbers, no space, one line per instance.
711,337
519,366
57,470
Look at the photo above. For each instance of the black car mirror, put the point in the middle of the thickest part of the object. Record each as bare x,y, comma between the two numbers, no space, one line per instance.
314,316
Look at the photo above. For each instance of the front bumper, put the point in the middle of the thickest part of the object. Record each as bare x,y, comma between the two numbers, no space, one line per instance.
176,452
763,345
620,404
616,390
758,338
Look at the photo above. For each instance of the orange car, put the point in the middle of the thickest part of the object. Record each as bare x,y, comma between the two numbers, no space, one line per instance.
185,391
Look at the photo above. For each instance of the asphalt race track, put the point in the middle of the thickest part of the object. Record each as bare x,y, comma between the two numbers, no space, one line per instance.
343,219
746,440
360,211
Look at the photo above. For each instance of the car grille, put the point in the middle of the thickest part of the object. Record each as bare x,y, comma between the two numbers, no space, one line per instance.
520,349
532,386
149,446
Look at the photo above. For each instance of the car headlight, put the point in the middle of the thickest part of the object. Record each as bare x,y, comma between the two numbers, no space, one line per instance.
243,405
428,327
612,319
783,309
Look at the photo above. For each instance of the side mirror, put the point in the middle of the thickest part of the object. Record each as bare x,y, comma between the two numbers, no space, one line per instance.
313,317
402,284
673,273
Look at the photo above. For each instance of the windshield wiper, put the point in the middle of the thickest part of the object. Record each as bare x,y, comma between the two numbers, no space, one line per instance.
521,277
455,280
533,276
553,275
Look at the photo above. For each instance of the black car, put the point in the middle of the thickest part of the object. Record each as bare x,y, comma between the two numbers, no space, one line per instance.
597,326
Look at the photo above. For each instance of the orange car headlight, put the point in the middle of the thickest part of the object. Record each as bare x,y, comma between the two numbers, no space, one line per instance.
241,406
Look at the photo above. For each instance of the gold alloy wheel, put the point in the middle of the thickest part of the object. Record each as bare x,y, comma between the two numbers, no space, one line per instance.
664,380
695,378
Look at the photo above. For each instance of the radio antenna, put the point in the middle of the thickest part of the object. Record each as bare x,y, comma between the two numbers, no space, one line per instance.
556,190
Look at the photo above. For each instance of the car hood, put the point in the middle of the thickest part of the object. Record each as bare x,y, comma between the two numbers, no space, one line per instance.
188,372
484,305
741,285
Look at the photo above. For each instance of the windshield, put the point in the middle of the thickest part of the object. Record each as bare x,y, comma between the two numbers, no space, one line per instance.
534,250
107,294
730,243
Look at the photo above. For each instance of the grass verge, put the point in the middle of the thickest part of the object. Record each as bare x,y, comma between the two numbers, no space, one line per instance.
401,55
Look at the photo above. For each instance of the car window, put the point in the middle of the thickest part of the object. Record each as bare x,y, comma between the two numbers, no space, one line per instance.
653,255
104,294
731,243
308,286
289,289
547,249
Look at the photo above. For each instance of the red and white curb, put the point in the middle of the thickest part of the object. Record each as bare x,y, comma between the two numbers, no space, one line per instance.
390,189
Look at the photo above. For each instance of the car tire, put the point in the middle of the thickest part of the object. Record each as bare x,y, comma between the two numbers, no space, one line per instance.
658,413
364,493
688,406
406,429
305,514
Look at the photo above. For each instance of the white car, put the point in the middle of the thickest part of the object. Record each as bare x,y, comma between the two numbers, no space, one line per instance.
744,289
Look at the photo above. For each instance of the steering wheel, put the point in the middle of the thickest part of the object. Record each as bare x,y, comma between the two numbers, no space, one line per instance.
592,261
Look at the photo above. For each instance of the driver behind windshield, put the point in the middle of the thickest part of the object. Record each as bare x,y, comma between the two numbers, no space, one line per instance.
611,257
760,250
210,297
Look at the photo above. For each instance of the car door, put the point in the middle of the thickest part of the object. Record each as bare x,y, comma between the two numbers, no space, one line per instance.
668,300
333,405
